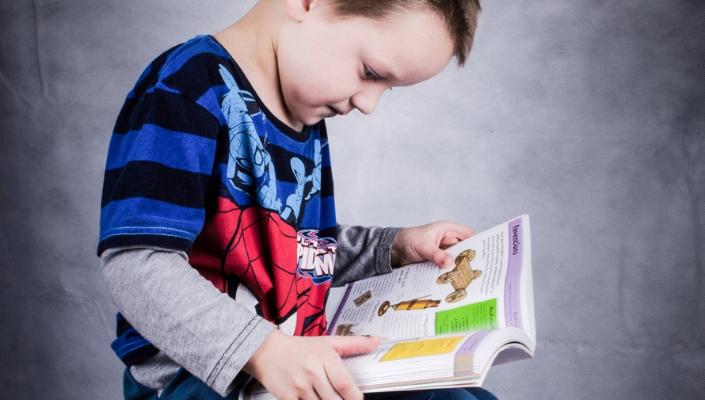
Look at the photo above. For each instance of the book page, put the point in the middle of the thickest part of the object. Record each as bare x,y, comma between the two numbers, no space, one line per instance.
480,292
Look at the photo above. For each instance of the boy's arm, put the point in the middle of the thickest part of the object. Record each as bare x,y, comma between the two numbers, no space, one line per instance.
362,252
217,338
368,251
183,314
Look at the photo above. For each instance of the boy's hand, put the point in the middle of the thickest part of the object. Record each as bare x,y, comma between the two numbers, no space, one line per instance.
295,367
427,242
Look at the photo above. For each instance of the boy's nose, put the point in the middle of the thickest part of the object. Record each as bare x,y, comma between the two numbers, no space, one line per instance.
366,101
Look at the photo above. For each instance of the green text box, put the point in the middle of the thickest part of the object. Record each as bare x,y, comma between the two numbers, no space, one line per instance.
472,317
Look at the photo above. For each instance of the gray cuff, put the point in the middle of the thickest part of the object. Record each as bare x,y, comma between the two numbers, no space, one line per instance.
383,250
363,252
227,373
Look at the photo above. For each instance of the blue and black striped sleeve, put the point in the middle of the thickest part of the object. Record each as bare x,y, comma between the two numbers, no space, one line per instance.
158,171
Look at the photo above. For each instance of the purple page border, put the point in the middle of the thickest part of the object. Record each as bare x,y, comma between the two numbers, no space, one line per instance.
472,343
512,301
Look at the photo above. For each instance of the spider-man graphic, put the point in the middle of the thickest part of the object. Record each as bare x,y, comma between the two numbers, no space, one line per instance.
250,247
255,247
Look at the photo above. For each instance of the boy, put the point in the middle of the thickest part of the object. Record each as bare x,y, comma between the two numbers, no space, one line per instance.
219,169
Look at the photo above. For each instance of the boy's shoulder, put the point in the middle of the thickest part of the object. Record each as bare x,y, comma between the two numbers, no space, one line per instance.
190,68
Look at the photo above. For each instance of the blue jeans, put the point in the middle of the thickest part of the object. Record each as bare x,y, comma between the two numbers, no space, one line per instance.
436,394
185,386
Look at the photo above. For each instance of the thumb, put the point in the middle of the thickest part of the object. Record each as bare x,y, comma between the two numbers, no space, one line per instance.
441,258
348,345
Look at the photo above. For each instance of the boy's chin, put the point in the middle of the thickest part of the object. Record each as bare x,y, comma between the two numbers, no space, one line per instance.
314,115
312,120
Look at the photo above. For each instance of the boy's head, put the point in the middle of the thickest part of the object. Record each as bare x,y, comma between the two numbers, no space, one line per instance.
459,16
334,56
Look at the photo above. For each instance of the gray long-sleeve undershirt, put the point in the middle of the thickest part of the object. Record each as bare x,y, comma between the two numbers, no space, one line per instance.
198,327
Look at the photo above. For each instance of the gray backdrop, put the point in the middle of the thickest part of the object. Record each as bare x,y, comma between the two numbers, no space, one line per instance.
588,115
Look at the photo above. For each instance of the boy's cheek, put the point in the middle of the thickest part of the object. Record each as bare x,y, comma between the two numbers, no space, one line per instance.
301,107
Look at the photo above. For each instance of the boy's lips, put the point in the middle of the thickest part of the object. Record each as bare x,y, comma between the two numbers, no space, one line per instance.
336,111
333,111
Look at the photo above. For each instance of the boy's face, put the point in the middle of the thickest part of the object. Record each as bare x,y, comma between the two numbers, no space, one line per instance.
330,65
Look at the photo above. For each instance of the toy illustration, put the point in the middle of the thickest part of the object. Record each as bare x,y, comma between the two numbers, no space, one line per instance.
344,330
406,305
461,276
360,300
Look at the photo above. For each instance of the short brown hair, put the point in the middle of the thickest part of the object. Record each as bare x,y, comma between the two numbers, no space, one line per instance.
460,16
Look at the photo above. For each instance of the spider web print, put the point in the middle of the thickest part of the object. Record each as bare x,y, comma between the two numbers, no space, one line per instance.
256,247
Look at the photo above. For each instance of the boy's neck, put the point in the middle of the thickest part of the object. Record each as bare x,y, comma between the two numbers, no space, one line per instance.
252,42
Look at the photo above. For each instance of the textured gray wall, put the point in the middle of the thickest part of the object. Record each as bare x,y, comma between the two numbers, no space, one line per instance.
588,115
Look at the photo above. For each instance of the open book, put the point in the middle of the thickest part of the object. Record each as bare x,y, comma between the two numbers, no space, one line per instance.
444,327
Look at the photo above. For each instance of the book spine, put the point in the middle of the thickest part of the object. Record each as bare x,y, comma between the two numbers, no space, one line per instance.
340,307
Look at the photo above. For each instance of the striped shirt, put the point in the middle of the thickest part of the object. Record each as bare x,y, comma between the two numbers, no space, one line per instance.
198,164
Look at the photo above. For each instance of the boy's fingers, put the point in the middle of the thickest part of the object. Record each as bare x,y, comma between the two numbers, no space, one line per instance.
456,234
349,345
341,384
325,388
464,232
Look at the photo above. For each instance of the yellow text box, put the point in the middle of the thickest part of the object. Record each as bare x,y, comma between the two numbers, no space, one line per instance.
428,347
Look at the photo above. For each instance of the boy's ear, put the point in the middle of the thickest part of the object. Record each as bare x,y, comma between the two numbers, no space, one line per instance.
297,10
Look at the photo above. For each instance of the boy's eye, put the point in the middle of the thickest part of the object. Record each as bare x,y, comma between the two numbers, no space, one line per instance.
370,75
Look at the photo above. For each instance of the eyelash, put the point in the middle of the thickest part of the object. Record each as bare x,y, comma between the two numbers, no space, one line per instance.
369,74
